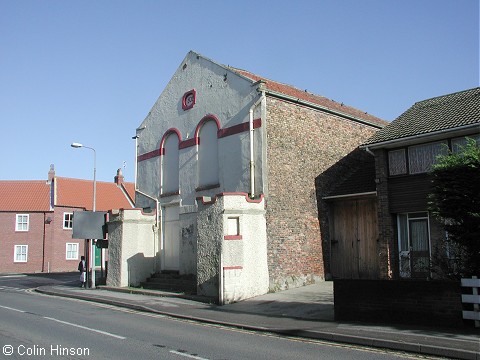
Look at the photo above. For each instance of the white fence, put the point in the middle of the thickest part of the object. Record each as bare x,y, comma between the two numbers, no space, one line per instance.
474,299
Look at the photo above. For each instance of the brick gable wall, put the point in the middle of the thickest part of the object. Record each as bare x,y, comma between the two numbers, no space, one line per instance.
302,143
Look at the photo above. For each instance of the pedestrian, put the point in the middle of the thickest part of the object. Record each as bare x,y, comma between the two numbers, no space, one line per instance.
83,272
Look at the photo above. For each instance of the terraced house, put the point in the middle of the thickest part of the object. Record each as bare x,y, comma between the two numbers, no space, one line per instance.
36,219
228,160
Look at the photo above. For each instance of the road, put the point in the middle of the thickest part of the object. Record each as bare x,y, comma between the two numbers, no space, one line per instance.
36,325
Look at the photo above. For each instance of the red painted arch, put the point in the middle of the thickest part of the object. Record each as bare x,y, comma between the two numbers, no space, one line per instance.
167,134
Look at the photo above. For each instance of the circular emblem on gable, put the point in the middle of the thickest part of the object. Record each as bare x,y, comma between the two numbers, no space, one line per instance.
189,99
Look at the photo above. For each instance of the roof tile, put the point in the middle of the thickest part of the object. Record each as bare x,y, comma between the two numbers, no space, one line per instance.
29,196
34,195
431,115
79,193
312,98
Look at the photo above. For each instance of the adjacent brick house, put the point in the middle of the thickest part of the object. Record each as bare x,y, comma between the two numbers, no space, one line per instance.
36,219
230,160
404,152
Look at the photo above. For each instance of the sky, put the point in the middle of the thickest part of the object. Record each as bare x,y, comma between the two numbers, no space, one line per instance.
90,71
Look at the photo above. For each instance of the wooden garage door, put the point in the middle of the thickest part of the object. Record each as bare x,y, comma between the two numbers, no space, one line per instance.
354,236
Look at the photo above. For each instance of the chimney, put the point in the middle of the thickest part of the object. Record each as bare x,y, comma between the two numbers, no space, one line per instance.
51,174
118,179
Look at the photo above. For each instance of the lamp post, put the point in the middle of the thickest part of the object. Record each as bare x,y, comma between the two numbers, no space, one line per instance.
92,260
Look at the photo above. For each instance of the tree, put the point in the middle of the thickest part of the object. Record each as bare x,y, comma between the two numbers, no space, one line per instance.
455,201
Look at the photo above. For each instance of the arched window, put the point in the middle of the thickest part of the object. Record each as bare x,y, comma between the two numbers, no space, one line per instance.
170,164
208,154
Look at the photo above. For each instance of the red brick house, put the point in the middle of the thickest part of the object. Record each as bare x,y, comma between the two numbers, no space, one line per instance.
36,219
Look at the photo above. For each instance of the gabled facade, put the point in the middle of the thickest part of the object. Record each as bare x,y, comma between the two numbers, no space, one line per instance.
229,159
404,153
36,219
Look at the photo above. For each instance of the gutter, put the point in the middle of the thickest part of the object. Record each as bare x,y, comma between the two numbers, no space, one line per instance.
322,108
349,195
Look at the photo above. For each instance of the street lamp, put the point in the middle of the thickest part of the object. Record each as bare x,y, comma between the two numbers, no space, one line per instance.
92,260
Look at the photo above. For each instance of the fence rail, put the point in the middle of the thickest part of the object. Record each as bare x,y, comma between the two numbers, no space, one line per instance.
474,299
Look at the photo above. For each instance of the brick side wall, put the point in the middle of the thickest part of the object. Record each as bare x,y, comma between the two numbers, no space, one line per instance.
387,254
301,144
403,302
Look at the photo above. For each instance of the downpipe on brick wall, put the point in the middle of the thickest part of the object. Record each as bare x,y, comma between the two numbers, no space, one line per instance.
252,155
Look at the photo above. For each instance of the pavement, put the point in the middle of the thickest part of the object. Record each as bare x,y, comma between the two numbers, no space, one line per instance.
305,312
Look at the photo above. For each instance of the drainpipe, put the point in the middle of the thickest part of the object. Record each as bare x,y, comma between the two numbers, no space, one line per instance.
369,151
220,279
43,244
252,155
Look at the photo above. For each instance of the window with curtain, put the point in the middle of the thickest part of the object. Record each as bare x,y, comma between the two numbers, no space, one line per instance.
22,222
72,251
21,253
422,157
397,162
457,143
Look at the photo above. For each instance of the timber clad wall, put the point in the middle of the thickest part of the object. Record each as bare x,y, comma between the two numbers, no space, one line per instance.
408,193
301,144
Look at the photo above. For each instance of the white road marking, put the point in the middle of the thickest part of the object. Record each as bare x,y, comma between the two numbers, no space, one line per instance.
85,328
187,355
13,309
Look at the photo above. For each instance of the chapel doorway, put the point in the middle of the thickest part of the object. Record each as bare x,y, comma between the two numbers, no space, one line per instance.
171,238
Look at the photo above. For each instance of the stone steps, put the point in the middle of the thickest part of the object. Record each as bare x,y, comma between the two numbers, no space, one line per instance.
171,281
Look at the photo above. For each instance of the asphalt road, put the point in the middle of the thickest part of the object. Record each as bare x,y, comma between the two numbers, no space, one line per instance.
34,325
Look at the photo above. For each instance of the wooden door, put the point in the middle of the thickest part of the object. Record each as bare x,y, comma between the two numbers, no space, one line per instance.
171,238
354,236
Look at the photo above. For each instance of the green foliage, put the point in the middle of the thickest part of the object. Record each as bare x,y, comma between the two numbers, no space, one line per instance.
455,200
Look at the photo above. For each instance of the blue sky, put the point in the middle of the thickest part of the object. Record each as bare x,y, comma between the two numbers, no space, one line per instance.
90,71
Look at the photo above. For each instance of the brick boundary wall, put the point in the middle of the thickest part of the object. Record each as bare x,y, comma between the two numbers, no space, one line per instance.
412,302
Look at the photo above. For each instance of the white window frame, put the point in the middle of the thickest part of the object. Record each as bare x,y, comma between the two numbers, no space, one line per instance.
18,221
22,254
404,254
75,252
65,214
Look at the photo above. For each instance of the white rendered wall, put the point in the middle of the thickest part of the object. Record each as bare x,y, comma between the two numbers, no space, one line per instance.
133,247
219,92
232,266
211,166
